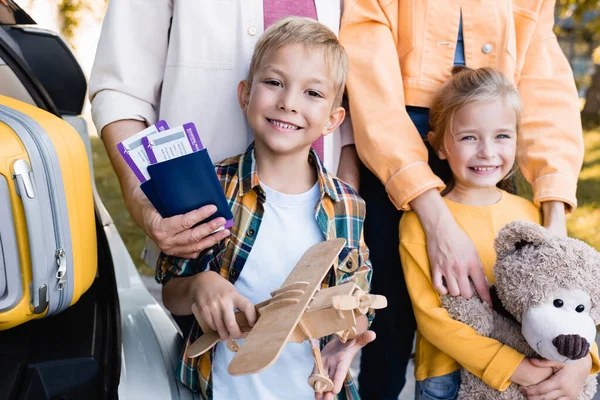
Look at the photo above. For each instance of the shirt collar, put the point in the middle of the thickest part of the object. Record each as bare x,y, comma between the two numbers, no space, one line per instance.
248,174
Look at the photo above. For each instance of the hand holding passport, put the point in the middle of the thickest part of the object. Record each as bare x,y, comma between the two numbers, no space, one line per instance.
175,170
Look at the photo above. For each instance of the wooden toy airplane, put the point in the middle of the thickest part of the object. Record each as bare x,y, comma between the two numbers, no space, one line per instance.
296,312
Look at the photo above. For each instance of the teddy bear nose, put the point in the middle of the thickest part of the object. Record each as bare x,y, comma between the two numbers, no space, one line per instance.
573,347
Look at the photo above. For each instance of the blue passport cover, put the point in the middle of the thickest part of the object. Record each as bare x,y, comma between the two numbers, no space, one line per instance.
186,183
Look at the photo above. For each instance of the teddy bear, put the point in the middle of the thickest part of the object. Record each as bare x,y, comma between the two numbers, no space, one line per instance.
546,303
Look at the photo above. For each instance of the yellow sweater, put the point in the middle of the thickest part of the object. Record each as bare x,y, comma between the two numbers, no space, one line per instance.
443,344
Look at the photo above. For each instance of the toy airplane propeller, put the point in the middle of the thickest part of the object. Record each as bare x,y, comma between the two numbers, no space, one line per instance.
296,312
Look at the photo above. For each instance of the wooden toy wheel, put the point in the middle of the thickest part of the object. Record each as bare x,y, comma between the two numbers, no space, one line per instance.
233,345
320,383
346,334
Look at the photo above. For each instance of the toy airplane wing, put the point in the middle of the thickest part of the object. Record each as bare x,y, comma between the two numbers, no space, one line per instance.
279,318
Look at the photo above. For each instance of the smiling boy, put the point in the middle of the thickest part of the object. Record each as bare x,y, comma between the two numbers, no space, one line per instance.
283,201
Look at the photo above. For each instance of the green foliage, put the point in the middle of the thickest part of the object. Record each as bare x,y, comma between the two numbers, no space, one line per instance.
582,11
584,222
69,11
110,193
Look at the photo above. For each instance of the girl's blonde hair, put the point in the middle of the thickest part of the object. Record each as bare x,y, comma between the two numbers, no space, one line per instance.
468,86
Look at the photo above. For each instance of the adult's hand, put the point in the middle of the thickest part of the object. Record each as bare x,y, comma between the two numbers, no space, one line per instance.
554,217
172,235
566,382
175,235
452,255
528,374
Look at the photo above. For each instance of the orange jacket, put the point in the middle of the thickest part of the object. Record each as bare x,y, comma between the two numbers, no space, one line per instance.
401,51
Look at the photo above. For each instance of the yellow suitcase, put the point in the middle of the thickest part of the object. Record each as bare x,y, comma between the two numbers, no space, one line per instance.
47,231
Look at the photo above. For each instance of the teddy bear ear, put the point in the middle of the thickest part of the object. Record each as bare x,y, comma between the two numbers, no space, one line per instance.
517,235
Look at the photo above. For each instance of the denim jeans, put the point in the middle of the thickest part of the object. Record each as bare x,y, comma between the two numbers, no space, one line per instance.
443,387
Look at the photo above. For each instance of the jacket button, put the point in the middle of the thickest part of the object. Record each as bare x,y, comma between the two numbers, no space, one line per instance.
252,30
487,48
250,232
349,265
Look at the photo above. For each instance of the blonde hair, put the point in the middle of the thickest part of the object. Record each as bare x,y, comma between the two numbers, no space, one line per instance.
313,35
469,86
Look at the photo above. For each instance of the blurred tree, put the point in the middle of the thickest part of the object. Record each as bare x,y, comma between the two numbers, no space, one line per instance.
584,17
68,11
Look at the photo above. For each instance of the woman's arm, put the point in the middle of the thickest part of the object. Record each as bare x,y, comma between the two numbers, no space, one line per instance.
389,145
124,91
551,134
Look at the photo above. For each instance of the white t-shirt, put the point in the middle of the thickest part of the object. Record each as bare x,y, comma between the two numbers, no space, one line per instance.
287,230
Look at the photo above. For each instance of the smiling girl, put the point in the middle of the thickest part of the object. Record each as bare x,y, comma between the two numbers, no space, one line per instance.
475,120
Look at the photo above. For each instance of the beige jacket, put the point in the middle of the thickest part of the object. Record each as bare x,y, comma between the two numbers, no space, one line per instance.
181,61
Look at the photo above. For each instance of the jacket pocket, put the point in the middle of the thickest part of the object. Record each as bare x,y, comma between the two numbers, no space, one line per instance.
203,34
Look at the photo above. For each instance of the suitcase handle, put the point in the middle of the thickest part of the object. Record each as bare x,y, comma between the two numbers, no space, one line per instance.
26,190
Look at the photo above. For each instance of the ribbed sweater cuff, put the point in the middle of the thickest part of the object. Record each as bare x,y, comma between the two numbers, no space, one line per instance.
501,368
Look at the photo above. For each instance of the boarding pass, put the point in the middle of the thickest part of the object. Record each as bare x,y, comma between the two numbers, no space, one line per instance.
172,143
132,150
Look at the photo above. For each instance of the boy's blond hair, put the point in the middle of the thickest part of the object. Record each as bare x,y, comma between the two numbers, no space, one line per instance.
313,35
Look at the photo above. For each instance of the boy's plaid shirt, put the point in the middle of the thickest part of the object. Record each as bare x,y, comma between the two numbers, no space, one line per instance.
339,213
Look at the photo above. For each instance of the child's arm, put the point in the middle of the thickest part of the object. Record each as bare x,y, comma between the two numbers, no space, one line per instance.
488,359
186,282
216,298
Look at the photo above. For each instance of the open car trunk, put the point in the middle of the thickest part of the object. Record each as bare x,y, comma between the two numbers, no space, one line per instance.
74,355
116,341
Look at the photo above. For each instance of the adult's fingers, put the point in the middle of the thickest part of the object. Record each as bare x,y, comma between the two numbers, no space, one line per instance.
452,285
553,395
198,233
545,363
192,251
543,388
464,286
438,282
481,285
164,230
